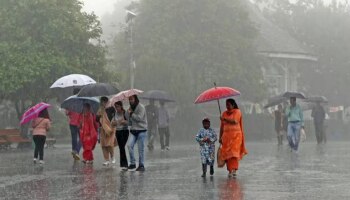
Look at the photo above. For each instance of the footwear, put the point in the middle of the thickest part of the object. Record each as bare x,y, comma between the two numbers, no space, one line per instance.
35,160
75,155
113,161
90,162
132,167
204,168
167,148
41,162
232,174
106,163
84,161
211,170
162,150
141,169
124,168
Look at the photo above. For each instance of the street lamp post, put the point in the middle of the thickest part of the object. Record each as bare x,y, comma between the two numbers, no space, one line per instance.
129,20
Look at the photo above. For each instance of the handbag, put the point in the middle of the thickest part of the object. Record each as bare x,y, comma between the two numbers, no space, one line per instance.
221,163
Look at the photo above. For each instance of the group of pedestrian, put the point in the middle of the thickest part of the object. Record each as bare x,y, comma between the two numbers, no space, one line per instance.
158,121
290,119
231,139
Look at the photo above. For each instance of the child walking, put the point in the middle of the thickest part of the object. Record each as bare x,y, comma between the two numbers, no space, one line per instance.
206,137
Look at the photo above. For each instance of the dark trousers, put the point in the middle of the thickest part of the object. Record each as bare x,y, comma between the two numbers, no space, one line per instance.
76,145
39,141
164,132
320,133
122,137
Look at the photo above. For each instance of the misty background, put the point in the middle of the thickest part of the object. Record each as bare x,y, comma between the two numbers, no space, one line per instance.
262,48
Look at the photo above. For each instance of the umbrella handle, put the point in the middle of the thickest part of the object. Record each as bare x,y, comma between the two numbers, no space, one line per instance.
218,100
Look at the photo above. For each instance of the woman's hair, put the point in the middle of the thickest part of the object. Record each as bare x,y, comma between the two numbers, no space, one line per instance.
44,114
104,99
119,103
233,103
206,120
137,101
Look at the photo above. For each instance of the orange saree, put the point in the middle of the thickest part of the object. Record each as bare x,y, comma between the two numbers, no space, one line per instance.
232,136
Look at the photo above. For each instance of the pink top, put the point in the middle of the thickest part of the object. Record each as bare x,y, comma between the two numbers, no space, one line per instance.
73,118
41,126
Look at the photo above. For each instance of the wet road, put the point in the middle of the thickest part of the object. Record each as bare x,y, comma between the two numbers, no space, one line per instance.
268,172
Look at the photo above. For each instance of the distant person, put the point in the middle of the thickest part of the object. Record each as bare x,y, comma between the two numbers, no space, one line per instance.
163,127
295,123
107,132
279,124
138,119
232,137
152,119
74,130
122,133
319,115
88,133
41,125
206,137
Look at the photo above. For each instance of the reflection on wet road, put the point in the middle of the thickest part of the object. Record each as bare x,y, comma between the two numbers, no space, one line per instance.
268,172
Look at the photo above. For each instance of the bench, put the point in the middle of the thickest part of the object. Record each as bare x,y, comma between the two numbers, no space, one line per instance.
13,136
50,142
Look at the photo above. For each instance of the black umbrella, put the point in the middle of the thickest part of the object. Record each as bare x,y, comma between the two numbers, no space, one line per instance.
298,95
98,89
274,101
158,95
317,99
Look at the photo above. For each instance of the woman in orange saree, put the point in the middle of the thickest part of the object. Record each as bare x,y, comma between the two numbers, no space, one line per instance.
232,137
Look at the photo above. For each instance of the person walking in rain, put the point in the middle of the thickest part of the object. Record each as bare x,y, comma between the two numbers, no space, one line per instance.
206,137
88,133
295,123
319,115
138,119
279,124
163,127
41,125
232,137
74,130
122,133
107,136
152,119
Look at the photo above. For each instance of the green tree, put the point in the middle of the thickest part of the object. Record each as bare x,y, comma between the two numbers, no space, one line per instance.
41,40
184,46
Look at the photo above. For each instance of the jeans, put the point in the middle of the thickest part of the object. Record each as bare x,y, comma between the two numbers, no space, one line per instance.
122,137
140,139
76,145
164,132
39,141
293,135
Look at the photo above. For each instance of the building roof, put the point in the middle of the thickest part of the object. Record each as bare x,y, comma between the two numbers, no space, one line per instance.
274,42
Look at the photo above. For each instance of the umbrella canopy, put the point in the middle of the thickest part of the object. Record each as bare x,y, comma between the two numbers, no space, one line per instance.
123,95
98,89
158,95
33,112
298,95
317,99
76,104
216,93
73,80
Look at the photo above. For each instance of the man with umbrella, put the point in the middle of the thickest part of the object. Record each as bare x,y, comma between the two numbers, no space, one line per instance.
295,121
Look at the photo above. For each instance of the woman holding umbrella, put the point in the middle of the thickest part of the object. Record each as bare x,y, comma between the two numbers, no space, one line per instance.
41,125
232,137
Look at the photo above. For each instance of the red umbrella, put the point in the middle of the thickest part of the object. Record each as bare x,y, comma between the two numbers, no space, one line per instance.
216,93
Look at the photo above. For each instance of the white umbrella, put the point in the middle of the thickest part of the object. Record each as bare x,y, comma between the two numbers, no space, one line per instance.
73,80
123,95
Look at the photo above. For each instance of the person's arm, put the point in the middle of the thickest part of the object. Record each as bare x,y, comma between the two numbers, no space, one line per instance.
221,132
214,137
301,114
48,125
199,137
139,115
